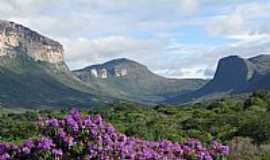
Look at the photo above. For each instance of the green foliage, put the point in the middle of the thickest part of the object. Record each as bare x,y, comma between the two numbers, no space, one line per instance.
258,128
16,127
223,120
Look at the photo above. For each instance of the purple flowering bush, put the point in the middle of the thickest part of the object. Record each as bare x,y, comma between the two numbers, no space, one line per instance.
90,138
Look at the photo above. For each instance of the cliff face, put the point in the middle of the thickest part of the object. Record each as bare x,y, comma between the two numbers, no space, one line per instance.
116,68
15,39
25,82
240,75
233,73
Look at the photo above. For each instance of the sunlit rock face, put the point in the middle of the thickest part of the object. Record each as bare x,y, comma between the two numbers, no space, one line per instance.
103,73
94,73
17,39
120,72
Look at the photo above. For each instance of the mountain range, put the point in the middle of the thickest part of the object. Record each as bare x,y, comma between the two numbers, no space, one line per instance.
33,73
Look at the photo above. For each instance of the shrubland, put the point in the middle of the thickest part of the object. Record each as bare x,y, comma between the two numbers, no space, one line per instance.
243,124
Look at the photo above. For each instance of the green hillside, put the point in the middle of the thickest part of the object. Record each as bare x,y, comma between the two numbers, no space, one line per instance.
139,84
27,83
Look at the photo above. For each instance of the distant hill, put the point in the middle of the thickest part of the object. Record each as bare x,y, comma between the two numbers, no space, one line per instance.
234,75
135,81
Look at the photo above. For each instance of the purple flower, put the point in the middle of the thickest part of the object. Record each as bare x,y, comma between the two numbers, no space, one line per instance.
98,120
57,152
53,122
5,156
87,121
75,113
3,148
28,143
225,150
105,143
26,150
45,143
61,133
70,121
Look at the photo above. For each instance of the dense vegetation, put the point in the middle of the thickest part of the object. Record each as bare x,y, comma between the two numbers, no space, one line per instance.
244,124
90,138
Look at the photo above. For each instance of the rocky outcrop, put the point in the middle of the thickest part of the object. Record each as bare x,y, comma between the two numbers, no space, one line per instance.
17,39
94,73
233,73
120,72
103,73
115,69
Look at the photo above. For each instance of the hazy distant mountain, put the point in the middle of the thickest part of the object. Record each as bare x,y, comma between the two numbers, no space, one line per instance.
134,81
234,75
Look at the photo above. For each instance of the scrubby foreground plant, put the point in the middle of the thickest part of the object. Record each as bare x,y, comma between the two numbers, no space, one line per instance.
90,138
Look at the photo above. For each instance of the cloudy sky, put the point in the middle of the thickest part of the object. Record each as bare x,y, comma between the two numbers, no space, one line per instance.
174,38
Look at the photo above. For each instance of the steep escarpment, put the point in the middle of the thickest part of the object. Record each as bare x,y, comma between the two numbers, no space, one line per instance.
16,39
233,73
112,69
261,77
33,72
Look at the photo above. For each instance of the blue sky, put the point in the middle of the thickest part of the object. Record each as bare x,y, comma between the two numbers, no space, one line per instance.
174,38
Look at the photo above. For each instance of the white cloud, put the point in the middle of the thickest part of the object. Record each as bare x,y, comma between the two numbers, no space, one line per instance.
239,22
82,51
15,8
189,6
185,73
227,25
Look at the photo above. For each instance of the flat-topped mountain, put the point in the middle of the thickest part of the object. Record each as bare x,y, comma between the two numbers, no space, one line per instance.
15,39
33,72
234,75
237,74
135,81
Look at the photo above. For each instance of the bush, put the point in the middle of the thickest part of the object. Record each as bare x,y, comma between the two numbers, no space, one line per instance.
258,129
87,137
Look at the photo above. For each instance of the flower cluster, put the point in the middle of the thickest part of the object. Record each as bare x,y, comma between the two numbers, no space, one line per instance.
90,138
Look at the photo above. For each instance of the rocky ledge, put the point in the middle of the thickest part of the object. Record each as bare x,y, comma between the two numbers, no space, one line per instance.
17,39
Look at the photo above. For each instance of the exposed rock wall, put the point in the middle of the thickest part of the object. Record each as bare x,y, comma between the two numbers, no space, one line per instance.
104,73
15,37
120,72
233,74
